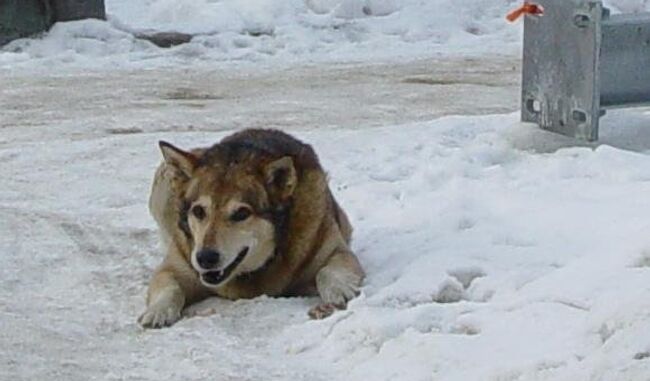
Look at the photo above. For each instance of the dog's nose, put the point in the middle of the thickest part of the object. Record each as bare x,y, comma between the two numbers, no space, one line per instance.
207,258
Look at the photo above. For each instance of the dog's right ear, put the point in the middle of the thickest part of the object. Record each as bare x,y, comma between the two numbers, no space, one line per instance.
281,178
186,162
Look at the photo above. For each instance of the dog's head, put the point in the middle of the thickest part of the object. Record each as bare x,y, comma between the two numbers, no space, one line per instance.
232,208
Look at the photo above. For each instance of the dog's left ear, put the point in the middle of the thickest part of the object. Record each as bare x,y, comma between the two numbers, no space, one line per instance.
186,162
281,178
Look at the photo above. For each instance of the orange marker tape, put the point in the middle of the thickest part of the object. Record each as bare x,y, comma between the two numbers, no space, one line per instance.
526,9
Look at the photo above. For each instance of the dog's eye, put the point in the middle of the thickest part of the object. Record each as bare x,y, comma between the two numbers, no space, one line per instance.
241,214
198,211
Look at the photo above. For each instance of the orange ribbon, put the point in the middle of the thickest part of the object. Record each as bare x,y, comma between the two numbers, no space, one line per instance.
526,9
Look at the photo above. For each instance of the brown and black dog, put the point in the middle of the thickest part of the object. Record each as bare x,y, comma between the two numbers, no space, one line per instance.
252,215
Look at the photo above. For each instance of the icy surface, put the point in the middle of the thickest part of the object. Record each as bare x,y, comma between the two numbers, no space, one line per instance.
494,251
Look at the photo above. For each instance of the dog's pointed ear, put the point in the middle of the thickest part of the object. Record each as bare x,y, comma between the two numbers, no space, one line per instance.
280,176
186,162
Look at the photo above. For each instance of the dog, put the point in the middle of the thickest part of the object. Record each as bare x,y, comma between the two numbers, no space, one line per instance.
252,215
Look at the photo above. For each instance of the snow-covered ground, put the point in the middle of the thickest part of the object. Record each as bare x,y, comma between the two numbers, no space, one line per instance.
242,32
494,251
245,31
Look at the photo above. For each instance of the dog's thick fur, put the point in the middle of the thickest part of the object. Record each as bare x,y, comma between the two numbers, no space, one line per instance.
251,215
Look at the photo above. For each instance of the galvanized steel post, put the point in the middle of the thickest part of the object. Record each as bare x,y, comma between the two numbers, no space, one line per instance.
578,61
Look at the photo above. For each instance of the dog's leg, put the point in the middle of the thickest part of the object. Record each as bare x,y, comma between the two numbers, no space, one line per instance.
173,286
337,282
165,301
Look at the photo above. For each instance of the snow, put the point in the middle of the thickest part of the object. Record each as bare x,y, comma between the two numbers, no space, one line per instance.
494,251
485,260
265,31
276,32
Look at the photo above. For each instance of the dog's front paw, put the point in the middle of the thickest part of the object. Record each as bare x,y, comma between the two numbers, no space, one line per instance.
323,310
336,288
161,314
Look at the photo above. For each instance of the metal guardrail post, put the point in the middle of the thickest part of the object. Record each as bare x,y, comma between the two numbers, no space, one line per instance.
579,61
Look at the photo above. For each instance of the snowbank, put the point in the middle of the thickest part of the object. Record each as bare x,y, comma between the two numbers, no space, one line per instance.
281,32
277,31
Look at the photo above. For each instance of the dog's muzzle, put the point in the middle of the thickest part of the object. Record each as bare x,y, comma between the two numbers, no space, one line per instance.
216,277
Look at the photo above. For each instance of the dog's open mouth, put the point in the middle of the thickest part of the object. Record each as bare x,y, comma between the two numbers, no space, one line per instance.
215,277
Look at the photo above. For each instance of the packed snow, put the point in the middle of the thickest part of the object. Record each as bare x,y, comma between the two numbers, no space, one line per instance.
494,251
